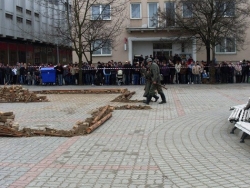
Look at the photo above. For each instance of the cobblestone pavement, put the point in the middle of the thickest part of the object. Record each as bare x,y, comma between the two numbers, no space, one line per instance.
184,143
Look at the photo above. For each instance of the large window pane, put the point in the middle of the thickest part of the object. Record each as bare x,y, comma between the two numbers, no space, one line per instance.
187,9
152,15
230,45
106,12
225,8
229,8
101,12
101,48
95,12
106,49
227,45
170,13
135,10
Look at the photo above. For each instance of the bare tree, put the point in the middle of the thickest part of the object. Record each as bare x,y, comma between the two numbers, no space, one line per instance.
93,25
210,22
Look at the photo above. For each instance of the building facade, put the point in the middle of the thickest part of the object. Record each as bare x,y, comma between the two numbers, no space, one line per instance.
140,36
28,32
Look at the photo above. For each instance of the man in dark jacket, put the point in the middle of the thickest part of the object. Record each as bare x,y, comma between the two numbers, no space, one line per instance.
224,72
99,74
245,68
8,74
1,74
127,68
59,73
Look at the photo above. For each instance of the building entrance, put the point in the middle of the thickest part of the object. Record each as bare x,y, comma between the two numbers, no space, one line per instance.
162,50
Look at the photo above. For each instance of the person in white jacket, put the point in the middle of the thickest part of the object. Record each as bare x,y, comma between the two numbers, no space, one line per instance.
177,72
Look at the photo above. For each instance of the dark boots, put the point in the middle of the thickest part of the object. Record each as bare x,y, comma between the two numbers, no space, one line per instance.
156,98
163,98
148,99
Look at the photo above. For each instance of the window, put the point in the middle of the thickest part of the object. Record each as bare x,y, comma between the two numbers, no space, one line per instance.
19,20
55,2
152,14
28,12
225,8
102,48
101,12
227,45
170,13
187,10
37,15
135,10
28,22
9,16
19,9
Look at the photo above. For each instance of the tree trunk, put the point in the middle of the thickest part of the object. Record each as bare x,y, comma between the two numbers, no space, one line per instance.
212,67
80,68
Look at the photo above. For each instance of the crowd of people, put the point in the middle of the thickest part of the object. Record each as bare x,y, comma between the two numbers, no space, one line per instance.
174,71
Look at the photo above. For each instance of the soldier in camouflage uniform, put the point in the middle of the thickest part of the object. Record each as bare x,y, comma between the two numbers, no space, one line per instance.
147,75
154,71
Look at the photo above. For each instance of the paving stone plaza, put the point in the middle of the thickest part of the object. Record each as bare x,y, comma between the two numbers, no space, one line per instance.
184,143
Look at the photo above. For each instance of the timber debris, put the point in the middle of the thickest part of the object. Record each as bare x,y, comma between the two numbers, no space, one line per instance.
125,97
84,91
98,117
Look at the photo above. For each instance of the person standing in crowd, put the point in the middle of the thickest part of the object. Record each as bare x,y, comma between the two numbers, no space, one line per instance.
92,74
177,71
113,74
183,72
107,73
29,78
248,72
238,72
126,72
14,75
72,75
1,74
244,71
136,74
66,75
196,71
217,73
172,71
18,73
230,72
37,76
190,74
99,73
76,67
8,74
165,71
86,68
224,72
59,73
155,82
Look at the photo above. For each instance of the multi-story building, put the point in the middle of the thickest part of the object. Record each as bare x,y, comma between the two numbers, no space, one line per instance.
28,32
141,36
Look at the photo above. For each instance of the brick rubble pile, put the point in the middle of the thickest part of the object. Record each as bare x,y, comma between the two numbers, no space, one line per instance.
19,94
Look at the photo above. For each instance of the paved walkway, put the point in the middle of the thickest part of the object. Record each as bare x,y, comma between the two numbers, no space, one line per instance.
184,143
